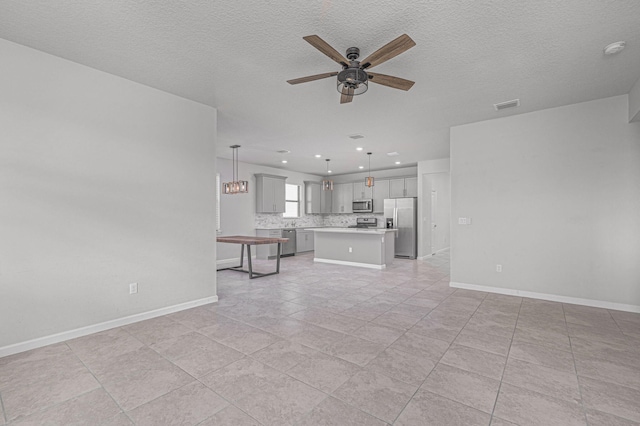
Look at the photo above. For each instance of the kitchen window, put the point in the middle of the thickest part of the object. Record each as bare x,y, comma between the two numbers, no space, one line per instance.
292,201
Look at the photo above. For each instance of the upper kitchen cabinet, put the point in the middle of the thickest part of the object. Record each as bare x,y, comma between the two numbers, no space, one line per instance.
380,193
312,197
342,198
362,191
411,187
325,201
403,187
270,193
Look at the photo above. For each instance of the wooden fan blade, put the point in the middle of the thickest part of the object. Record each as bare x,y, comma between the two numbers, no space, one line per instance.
347,95
324,47
312,78
391,81
388,51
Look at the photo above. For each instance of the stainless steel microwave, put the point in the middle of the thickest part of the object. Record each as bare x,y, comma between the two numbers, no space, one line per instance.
363,206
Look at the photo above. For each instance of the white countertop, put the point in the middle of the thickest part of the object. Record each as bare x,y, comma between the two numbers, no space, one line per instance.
354,230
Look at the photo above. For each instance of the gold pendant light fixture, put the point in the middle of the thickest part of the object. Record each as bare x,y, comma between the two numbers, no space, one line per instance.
327,184
235,186
369,179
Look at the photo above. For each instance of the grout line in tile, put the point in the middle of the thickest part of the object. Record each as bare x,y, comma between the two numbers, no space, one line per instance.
229,402
4,412
575,369
438,362
101,385
495,403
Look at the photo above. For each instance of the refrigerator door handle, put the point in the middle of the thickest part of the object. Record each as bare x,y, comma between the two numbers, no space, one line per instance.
395,220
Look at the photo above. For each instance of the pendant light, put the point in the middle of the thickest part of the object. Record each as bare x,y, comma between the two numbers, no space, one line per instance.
235,186
369,179
327,184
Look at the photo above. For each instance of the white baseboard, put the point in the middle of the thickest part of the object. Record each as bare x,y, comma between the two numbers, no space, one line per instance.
343,262
427,256
95,328
230,263
550,297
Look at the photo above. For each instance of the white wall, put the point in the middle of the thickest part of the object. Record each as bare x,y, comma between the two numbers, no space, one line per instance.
554,197
377,174
634,102
238,211
103,182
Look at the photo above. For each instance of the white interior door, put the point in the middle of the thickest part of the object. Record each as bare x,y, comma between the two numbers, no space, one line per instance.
436,212
434,221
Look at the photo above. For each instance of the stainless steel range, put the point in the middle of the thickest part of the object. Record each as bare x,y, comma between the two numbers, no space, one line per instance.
365,222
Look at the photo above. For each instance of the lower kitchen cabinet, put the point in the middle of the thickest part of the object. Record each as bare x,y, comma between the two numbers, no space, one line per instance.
304,240
266,251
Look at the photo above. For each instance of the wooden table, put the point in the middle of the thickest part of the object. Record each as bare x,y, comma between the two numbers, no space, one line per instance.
252,241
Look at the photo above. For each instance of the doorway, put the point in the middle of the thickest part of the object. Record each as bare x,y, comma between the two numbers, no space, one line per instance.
436,191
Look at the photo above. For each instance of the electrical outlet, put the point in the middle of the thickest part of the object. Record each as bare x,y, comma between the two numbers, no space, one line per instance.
462,221
350,249
133,288
498,268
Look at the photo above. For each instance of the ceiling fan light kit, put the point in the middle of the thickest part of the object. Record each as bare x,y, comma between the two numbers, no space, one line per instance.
353,80
235,186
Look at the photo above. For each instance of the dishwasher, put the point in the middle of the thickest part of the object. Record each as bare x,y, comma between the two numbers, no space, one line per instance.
289,248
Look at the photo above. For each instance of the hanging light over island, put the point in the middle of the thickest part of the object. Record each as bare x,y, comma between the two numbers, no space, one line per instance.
327,184
235,186
369,179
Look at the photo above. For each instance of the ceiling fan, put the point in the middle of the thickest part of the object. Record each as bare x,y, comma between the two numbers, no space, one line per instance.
354,78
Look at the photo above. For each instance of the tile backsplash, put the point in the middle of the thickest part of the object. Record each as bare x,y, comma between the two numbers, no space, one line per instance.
266,220
344,220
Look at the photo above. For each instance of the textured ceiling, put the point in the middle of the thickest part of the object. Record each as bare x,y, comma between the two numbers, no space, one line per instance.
237,56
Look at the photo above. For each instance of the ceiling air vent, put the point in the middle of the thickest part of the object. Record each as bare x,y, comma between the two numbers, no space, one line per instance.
507,104
356,136
283,151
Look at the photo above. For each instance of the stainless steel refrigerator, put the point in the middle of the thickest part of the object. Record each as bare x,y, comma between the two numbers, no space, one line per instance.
402,214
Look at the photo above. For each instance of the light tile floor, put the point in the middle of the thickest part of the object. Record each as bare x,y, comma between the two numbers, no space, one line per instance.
334,345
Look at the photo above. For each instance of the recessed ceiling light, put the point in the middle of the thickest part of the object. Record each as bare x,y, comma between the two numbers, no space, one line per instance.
397,162
614,47
361,167
359,148
328,171
392,154
317,155
284,161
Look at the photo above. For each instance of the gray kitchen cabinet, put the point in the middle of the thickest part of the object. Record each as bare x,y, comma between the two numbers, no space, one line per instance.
325,201
396,188
304,240
270,193
380,193
403,187
313,197
362,191
342,198
336,198
265,251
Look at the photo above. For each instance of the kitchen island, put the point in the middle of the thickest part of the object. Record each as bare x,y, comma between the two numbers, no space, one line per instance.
363,247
